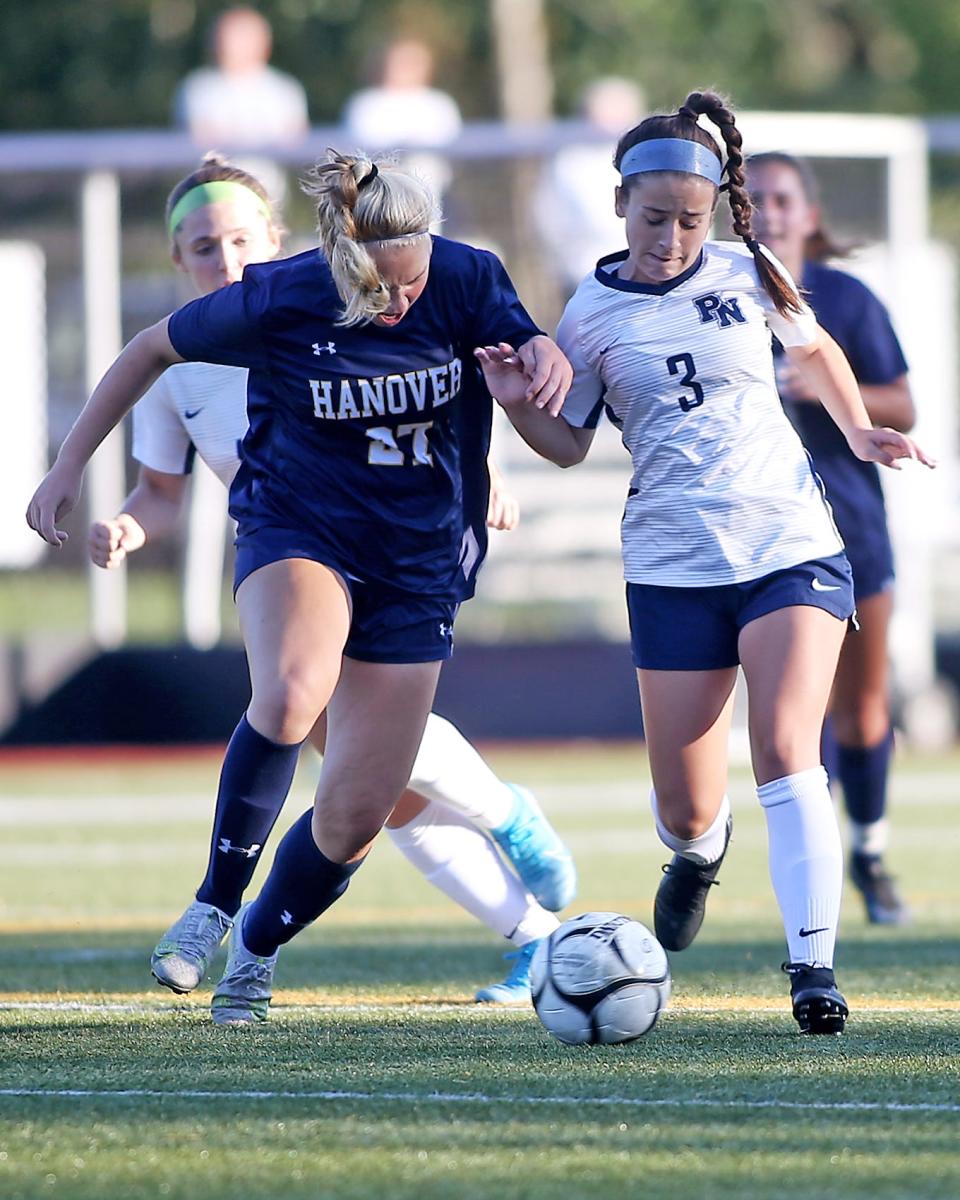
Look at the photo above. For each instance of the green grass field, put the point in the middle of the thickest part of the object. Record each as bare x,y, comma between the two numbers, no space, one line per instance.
377,1075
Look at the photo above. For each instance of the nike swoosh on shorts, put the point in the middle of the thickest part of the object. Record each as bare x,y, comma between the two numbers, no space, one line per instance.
825,587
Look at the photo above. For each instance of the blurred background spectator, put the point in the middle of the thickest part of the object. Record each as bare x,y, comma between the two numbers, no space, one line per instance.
401,109
574,205
241,101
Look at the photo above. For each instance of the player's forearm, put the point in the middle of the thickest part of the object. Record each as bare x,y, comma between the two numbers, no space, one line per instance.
157,515
825,371
890,404
551,437
141,362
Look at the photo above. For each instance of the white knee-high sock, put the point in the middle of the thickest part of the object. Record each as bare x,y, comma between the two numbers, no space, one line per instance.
448,769
806,862
460,860
706,847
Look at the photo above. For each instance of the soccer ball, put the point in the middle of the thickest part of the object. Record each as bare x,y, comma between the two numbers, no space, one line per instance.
600,977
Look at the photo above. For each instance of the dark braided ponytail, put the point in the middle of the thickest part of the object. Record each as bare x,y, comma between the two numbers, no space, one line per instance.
684,125
713,108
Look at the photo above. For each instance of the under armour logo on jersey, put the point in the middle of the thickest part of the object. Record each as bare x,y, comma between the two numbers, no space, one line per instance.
715,308
286,917
227,847
329,348
445,629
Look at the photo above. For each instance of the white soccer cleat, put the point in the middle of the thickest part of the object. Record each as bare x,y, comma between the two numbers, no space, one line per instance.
182,955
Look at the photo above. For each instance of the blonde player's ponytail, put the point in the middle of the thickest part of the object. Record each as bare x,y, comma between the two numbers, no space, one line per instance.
359,203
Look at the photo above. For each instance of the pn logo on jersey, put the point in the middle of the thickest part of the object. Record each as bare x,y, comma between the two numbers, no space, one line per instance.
724,311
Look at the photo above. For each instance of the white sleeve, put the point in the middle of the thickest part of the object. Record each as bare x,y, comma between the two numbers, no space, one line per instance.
160,440
794,329
583,406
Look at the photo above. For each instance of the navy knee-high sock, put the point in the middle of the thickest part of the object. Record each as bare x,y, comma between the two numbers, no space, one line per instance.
863,771
254,783
828,751
302,884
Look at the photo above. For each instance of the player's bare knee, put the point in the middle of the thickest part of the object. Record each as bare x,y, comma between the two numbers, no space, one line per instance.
863,723
781,752
685,817
286,709
344,830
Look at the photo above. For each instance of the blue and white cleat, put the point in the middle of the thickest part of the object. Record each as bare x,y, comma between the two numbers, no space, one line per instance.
540,858
181,957
243,995
515,989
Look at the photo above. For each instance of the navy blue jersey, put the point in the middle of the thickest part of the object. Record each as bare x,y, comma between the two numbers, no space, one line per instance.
366,436
859,323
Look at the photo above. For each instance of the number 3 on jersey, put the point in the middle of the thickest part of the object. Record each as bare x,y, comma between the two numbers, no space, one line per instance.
384,451
674,364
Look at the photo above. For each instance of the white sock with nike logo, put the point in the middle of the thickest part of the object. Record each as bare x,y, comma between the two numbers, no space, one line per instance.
806,862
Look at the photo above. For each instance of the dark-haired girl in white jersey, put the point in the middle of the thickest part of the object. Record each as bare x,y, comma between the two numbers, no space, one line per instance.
730,552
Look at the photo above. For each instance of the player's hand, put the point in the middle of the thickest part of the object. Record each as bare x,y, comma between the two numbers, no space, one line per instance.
549,372
791,384
503,508
110,542
56,496
886,446
503,373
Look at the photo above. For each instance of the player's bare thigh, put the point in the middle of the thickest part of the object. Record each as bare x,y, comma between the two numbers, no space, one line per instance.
375,723
686,721
860,705
789,660
294,618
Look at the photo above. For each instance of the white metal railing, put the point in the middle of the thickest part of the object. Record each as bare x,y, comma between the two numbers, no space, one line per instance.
100,160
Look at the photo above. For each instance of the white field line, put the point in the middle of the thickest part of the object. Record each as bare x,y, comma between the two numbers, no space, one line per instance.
164,1007
480,1098
910,790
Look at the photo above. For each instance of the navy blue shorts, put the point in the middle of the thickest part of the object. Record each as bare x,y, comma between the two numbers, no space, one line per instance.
698,628
871,559
387,625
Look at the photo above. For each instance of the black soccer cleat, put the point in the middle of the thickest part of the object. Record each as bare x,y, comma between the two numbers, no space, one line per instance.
682,898
818,1007
876,885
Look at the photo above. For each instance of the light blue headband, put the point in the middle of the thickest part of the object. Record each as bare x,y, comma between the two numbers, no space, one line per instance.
671,154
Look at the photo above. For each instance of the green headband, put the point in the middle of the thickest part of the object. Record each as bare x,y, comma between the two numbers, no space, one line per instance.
210,193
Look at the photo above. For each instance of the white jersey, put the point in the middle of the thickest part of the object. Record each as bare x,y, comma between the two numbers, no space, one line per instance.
723,490
193,408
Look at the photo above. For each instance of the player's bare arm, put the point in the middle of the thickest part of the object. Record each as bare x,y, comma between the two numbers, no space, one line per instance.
151,511
139,364
825,370
544,431
503,508
888,404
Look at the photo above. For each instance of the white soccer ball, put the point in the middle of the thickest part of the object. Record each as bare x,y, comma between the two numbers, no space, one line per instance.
599,978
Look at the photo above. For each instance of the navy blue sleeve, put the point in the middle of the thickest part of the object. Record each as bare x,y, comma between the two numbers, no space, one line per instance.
496,313
870,342
223,327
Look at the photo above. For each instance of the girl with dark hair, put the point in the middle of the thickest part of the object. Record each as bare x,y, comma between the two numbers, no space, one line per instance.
730,552
858,739
353,538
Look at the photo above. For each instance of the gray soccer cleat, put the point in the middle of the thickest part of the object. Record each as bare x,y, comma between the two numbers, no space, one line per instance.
182,955
243,994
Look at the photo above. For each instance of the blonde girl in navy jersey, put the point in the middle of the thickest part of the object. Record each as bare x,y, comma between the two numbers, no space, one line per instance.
200,409
730,552
858,738
348,501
